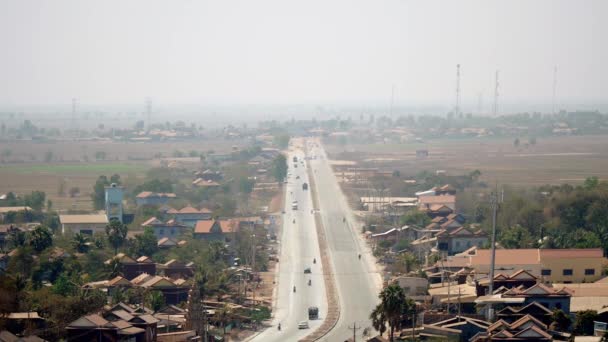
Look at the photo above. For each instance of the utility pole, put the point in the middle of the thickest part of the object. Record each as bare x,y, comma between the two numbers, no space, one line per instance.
495,201
392,100
148,113
457,106
253,269
354,328
495,109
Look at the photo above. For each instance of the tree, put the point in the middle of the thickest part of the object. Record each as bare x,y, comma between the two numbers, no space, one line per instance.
35,200
61,187
80,242
591,183
155,300
246,185
100,155
48,156
64,286
516,237
279,167
146,243
99,192
406,262
391,309
117,233
281,140
559,320
40,238
583,322
415,217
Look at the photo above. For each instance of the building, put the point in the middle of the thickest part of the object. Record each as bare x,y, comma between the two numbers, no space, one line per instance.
549,265
414,287
5,231
153,198
113,202
434,203
174,291
458,328
132,268
175,269
549,297
96,328
85,224
169,229
5,210
190,215
215,230
457,240
526,328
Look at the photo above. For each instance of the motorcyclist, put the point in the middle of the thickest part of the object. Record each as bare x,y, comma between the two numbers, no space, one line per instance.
344,219
279,326
294,220
314,260
309,282
294,289
359,256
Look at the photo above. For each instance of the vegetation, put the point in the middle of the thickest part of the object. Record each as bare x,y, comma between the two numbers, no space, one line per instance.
279,168
393,308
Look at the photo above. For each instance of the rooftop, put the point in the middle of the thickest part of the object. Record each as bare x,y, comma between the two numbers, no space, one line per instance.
88,218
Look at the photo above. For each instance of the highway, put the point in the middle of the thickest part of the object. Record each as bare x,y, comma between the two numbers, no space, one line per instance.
298,247
357,281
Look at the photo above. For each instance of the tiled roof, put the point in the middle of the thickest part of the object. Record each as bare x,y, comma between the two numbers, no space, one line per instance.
204,226
441,199
146,194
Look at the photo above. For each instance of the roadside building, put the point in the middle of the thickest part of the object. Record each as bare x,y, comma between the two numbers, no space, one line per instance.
414,287
85,224
5,210
169,229
215,230
457,240
526,328
132,268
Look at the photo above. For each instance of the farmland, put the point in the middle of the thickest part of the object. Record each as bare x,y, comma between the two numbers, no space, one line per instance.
553,160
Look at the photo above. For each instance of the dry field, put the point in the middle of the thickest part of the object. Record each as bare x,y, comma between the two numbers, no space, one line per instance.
553,160
24,170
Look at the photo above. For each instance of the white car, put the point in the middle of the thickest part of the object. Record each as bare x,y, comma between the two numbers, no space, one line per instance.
303,325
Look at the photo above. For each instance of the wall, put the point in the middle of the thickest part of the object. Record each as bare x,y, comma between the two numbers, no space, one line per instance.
578,266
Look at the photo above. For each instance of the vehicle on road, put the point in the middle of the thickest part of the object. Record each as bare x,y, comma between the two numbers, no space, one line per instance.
313,312
309,282
304,186
294,205
303,325
307,270
294,289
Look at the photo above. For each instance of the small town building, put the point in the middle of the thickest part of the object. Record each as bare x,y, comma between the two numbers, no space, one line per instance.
85,224
190,215
153,198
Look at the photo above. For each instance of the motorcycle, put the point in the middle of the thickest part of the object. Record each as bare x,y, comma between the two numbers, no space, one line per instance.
314,261
309,282
294,289
279,326
359,256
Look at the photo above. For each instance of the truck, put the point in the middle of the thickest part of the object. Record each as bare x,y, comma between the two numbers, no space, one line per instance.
313,312
304,186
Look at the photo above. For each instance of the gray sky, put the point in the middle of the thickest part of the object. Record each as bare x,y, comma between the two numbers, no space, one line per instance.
309,51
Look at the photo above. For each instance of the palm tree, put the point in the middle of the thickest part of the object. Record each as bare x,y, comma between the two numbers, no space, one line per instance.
80,242
407,261
393,306
117,234
223,316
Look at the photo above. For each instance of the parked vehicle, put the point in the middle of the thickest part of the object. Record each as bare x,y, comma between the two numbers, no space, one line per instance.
303,325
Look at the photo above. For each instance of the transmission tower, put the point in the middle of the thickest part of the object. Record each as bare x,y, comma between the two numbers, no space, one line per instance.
457,106
495,109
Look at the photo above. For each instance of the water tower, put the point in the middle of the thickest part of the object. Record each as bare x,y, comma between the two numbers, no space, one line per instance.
114,202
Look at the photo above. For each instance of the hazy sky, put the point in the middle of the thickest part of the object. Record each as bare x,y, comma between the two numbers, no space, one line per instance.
309,51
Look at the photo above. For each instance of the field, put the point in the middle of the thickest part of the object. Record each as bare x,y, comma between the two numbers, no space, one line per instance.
552,160
24,169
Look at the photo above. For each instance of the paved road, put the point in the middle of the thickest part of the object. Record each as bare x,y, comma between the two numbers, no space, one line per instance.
299,246
357,281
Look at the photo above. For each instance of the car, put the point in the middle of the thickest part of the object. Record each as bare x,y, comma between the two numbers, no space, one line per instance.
307,270
303,325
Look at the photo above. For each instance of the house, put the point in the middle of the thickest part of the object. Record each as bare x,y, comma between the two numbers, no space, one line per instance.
435,202
445,190
215,230
171,228
389,235
459,239
535,309
5,210
506,281
526,328
22,321
85,224
132,268
176,269
190,215
153,198
209,175
166,243
144,321
458,328
199,182
548,297
7,336
414,287
96,328
174,291
5,231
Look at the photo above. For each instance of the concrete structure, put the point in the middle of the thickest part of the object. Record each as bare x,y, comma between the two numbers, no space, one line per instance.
86,224
460,239
113,202
414,287
215,230
170,229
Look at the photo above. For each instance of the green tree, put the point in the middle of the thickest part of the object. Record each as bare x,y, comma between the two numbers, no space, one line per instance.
281,141
80,242
415,217
64,286
117,234
516,237
393,306
559,320
583,322
146,243
155,300
40,238
99,192
591,183
246,185
279,168
406,262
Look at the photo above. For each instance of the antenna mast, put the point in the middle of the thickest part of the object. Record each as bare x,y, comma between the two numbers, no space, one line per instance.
495,109
457,107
